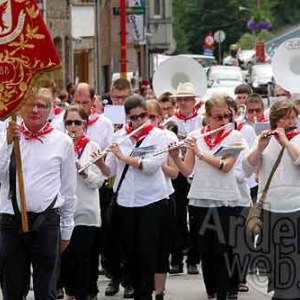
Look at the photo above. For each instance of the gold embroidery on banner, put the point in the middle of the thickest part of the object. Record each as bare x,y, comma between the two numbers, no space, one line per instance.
17,69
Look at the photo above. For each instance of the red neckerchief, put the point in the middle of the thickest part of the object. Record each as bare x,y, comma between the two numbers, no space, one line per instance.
289,135
80,144
181,117
57,110
161,127
29,135
263,119
142,133
239,126
220,137
93,118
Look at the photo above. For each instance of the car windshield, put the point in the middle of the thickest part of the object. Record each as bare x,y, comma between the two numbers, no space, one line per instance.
262,71
221,73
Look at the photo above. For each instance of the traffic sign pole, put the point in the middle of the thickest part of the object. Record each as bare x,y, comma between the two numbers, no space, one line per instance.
123,42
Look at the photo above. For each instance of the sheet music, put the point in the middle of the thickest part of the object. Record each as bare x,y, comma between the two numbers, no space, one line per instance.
115,113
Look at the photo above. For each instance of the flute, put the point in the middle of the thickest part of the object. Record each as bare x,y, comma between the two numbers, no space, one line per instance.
183,143
104,152
272,132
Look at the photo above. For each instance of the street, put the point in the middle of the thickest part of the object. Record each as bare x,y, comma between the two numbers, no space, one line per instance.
191,287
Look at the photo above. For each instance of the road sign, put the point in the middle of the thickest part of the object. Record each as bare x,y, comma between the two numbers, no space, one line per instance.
133,10
220,36
208,52
209,40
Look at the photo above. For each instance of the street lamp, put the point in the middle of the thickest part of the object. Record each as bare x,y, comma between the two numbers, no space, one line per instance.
241,8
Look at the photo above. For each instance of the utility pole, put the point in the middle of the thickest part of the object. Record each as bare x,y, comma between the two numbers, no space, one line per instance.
98,45
123,39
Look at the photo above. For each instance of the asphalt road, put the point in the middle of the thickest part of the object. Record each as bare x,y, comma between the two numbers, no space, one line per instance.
191,287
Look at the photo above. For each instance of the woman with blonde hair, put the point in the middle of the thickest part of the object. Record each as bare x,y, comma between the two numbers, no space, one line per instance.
213,194
279,246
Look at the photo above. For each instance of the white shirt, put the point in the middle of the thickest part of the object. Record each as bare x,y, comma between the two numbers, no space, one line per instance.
250,136
171,136
185,127
210,183
87,192
49,171
140,187
100,132
284,191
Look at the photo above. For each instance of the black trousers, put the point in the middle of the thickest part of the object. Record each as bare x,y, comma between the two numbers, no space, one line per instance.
39,248
77,262
211,229
140,230
181,237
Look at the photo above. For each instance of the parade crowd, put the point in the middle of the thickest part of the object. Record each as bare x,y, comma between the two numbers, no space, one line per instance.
166,191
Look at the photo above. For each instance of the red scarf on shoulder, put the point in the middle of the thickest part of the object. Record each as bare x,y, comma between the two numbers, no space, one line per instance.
29,135
93,118
182,117
142,133
80,144
222,134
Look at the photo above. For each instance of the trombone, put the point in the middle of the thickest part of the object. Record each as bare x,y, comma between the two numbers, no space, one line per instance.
104,152
183,143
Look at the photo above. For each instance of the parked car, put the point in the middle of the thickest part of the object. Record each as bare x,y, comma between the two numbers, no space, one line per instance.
216,74
260,78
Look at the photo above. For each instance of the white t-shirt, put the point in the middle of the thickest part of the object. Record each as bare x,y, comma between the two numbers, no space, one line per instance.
210,183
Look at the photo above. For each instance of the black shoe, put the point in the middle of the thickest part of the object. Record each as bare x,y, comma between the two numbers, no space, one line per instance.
159,297
112,288
59,293
128,292
192,270
101,272
232,295
176,269
93,297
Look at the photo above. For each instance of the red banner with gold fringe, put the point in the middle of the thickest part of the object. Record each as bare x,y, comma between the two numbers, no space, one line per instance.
26,51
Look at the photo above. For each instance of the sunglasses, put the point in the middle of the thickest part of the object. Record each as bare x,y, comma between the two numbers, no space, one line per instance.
140,116
252,110
75,122
221,117
153,117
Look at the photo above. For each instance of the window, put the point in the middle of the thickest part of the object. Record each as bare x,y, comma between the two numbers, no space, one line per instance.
157,8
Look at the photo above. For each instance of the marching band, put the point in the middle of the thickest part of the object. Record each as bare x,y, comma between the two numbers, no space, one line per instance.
175,178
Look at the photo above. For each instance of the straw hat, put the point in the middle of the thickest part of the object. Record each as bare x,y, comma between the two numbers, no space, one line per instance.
185,89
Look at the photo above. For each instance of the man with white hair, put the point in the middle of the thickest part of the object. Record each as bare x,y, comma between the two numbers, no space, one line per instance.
50,185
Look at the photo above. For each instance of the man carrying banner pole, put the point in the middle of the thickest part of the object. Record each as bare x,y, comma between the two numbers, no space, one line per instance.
36,234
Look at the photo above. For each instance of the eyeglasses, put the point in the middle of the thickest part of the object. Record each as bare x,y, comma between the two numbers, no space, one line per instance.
221,117
167,108
85,102
75,122
39,106
140,116
122,98
179,99
254,110
153,117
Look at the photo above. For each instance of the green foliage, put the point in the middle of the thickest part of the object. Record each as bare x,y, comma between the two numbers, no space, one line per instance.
193,19
246,41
